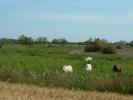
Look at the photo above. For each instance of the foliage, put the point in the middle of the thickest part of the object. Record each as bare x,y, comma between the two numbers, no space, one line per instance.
121,44
24,40
8,41
109,49
80,43
94,46
42,67
89,41
61,41
41,40
1,42
131,43
98,45
119,47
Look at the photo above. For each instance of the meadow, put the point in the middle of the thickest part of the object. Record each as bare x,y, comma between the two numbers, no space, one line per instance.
42,67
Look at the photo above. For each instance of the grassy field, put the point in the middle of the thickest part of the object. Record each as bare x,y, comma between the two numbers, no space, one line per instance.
41,66
25,92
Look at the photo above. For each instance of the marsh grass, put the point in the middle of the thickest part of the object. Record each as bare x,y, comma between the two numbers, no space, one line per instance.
41,66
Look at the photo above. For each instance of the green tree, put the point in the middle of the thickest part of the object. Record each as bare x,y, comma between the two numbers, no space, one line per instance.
61,41
99,45
130,43
95,45
24,40
42,40
121,44
89,41
55,41
8,41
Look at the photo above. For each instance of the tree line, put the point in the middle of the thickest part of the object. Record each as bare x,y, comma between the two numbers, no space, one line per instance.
29,41
91,45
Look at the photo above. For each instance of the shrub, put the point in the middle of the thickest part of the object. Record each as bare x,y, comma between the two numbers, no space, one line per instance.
98,45
118,46
121,44
89,48
131,43
94,46
109,49
1,43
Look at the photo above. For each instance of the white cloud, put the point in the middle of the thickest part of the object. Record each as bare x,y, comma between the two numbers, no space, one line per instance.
113,17
61,16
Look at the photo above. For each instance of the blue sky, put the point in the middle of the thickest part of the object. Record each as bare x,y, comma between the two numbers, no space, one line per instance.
75,20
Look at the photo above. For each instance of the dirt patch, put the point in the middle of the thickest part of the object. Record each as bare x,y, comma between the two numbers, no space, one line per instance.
125,51
77,52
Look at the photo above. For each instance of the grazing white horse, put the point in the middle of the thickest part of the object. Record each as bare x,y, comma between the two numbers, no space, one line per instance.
88,59
88,67
67,68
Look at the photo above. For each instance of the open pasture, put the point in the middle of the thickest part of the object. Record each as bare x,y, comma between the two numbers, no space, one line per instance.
42,66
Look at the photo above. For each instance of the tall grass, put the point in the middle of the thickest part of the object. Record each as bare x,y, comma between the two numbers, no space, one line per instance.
41,66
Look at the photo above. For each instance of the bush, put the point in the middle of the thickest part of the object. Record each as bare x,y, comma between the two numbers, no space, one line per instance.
98,45
94,46
118,46
109,49
0,46
131,43
89,48
1,43
121,44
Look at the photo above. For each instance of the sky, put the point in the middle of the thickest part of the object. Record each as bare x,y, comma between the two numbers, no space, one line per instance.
75,20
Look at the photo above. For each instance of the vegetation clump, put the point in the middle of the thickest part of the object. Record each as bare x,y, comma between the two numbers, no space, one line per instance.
1,43
24,40
109,49
98,45
60,41
119,47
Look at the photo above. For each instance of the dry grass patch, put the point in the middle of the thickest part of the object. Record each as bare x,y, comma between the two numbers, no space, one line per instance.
76,52
125,51
25,92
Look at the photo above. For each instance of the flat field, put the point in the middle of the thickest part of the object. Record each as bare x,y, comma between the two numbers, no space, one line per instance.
42,67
